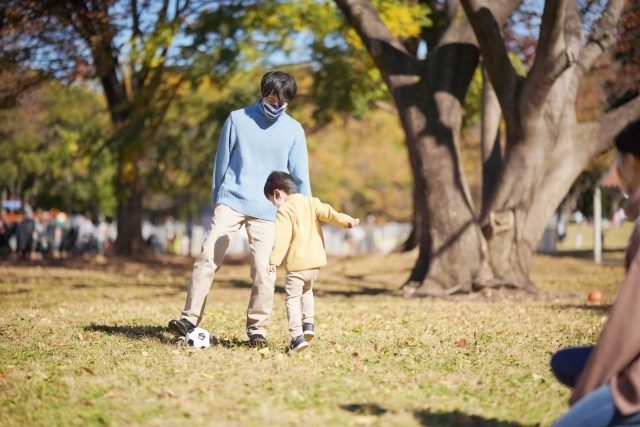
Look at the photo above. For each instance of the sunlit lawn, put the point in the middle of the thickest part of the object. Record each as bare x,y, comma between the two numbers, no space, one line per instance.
86,344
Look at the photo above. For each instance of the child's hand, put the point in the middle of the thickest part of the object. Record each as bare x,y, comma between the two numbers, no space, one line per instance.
271,268
353,222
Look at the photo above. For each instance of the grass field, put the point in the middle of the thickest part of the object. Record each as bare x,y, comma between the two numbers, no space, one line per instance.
85,344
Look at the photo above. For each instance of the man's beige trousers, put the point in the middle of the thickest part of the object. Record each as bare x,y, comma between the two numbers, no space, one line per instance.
225,223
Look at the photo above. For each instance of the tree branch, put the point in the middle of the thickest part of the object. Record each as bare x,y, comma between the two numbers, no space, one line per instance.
602,35
611,123
552,55
386,50
135,16
495,58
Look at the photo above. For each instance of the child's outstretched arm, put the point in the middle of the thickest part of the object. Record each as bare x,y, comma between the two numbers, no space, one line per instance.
326,213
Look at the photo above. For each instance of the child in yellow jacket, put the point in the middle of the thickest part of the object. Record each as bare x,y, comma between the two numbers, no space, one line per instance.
299,246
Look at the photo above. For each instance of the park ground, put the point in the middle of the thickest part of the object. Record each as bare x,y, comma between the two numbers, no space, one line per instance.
83,342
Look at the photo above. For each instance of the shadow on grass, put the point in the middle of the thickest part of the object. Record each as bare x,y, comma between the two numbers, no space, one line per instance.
457,418
134,332
160,333
360,291
603,308
230,343
364,409
16,292
611,256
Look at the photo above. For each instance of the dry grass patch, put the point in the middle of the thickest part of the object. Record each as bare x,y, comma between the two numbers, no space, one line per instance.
86,345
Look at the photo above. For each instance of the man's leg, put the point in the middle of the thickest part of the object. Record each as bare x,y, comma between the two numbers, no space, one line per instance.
261,237
224,224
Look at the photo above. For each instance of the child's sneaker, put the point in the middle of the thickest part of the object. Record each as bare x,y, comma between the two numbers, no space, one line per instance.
307,329
298,344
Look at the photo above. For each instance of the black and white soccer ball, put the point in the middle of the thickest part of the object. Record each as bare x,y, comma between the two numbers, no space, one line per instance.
197,338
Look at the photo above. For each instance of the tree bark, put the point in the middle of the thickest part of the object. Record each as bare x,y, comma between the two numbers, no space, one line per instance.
546,147
490,138
428,95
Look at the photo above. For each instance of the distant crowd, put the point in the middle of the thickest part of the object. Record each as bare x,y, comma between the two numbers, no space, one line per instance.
50,233
34,234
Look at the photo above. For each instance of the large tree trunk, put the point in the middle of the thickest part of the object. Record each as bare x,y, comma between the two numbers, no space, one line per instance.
129,186
130,190
546,147
429,95
452,254
544,151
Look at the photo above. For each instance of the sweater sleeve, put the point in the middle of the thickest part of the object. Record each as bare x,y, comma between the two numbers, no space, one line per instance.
326,213
223,157
298,164
284,232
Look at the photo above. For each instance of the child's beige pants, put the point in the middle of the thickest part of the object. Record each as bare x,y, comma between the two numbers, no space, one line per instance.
224,225
298,298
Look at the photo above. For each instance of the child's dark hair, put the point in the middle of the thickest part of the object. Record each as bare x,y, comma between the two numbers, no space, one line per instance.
628,140
280,84
280,181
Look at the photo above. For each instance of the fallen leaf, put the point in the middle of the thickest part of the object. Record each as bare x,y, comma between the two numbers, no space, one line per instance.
358,364
87,371
166,392
462,343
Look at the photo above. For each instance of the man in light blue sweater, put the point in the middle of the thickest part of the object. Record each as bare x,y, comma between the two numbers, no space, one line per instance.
255,141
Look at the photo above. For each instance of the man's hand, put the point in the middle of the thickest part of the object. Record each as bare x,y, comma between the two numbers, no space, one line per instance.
353,222
271,268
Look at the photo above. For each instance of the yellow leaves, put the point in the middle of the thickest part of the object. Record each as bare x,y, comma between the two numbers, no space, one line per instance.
404,19
128,171
148,53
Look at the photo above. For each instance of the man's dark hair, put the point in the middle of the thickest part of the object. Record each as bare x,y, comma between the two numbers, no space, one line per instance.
280,181
628,140
279,83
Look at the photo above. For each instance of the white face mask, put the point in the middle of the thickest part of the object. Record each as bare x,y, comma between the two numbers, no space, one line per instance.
273,111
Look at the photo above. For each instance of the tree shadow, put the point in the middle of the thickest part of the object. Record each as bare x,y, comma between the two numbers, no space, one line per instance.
364,408
161,334
612,256
15,292
457,418
134,332
603,308
230,343
361,291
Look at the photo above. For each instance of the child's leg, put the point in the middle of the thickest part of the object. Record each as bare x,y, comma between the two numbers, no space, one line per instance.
308,305
294,282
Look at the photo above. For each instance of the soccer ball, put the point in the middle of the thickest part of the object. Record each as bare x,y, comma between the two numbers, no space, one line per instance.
198,338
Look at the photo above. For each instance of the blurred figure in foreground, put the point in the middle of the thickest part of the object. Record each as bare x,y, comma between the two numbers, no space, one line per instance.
606,377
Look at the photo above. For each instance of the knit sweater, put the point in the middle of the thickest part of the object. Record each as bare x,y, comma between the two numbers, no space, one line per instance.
299,241
251,147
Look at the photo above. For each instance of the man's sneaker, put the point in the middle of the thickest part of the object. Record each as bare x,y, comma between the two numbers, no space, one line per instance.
180,326
298,344
258,340
307,329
